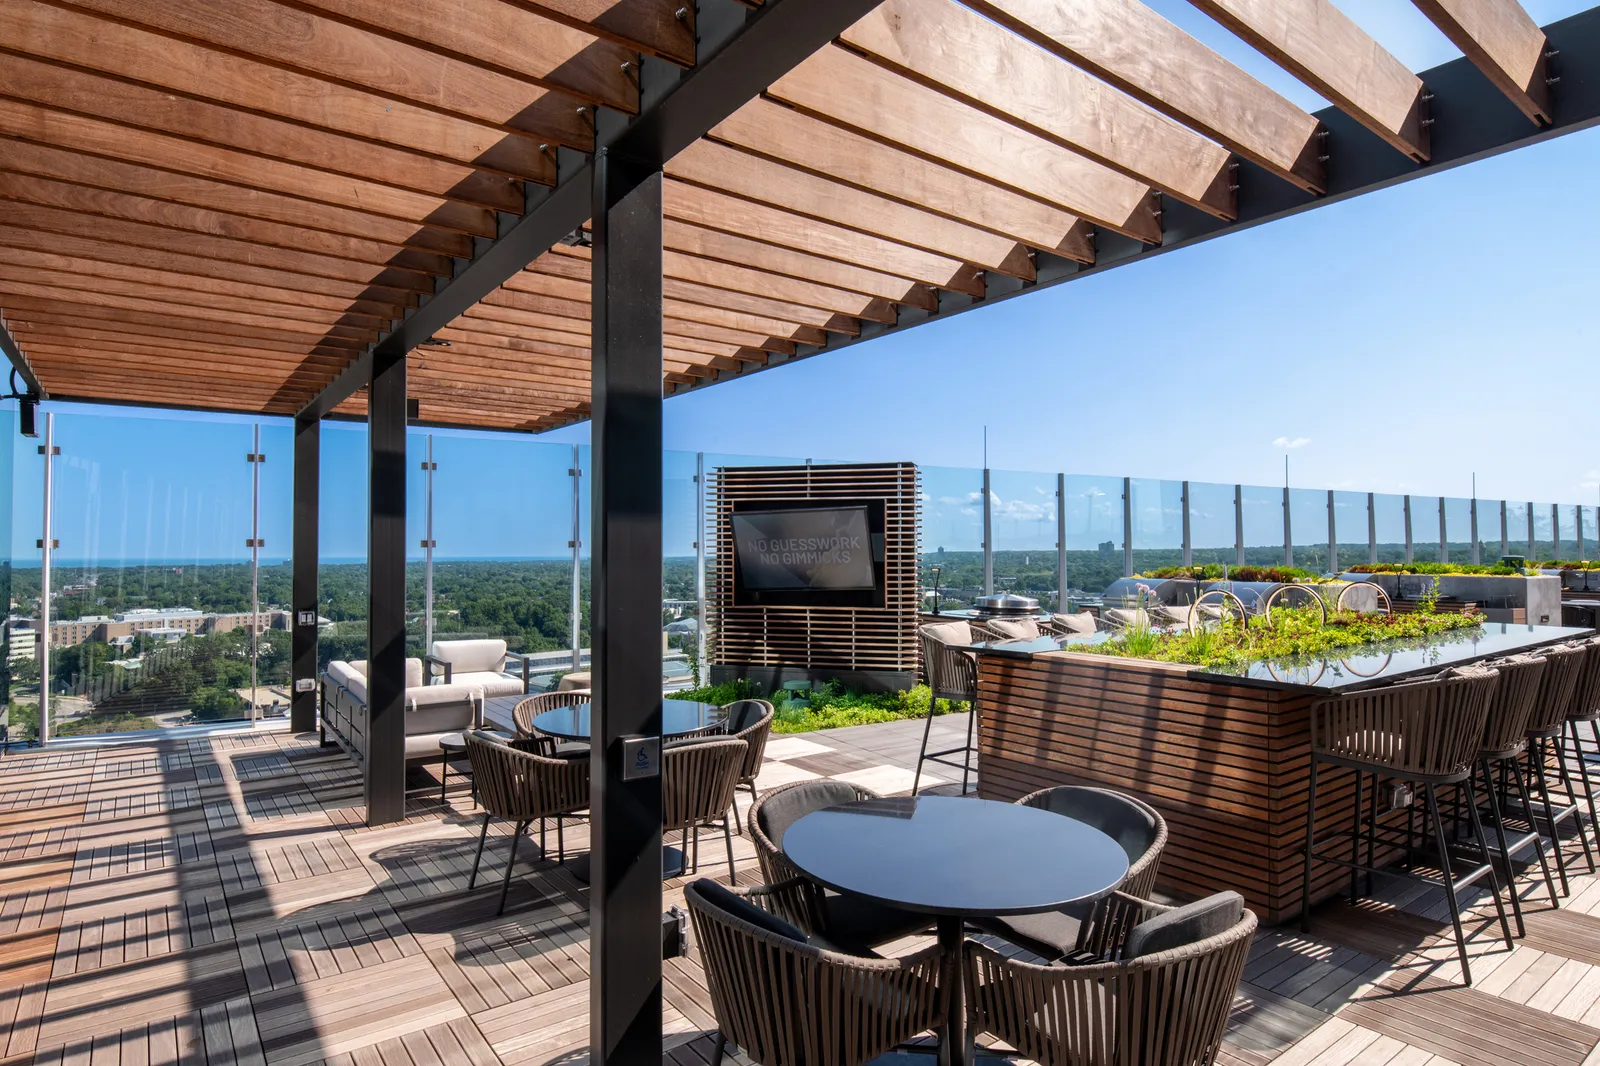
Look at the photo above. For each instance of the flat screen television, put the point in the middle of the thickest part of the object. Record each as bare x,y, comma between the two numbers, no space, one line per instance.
789,553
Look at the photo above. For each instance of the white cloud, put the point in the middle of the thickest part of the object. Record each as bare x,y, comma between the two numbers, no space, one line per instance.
1286,442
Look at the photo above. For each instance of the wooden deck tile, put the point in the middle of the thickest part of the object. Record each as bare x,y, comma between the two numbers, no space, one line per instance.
146,801
113,998
114,939
324,946
216,1034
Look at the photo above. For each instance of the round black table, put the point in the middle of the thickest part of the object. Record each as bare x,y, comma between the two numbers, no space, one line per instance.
678,717
956,858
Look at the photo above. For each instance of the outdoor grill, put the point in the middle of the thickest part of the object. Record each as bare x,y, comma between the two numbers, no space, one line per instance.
1007,605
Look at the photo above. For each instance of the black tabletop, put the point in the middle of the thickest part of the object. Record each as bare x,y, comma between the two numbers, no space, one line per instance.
950,856
677,718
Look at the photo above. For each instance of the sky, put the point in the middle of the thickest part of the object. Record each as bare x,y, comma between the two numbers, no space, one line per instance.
1405,341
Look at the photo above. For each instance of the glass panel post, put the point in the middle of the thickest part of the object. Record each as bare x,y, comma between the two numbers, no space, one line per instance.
700,635
1188,542
1410,547
1127,527
1372,527
988,536
1477,553
256,458
1333,538
428,544
1533,551
1555,530
1444,535
49,450
1238,525
1288,533
1061,543
1578,513
1505,541
576,544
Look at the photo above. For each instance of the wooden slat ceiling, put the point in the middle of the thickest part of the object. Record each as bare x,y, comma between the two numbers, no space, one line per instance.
220,203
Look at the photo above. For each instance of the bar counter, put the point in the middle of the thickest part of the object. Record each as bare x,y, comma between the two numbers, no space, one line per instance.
1223,756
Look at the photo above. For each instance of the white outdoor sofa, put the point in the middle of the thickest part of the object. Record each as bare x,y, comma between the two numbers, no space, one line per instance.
432,711
479,663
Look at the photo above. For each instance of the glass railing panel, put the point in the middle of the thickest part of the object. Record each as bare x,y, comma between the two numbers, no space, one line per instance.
680,519
1308,522
1587,526
1517,516
1350,529
1212,529
1157,523
952,534
1544,546
1389,526
1023,516
1458,529
1566,536
1263,525
1094,534
11,715
342,526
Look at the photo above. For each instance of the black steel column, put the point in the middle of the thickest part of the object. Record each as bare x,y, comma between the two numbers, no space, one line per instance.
625,613
386,592
303,613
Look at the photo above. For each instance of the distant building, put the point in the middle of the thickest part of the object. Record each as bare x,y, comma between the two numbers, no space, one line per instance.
149,621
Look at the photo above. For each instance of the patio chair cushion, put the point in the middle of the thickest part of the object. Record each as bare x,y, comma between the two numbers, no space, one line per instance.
577,681
1127,617
1015,628
413,670
1185,925
745,714
854,926
738,907
959,633
1051,935
471,656
1115,815
1170,615
1082,622
353,680
782,809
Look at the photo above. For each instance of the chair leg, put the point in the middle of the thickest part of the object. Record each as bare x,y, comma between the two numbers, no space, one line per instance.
1588,786
1542,784
561,839
1505,850
472,882
505,884
927,728
1311,840
722,1049
736,821
1476,823
1355,837
966,755
1533,823
1572,791
727,838
1449,881
1372,833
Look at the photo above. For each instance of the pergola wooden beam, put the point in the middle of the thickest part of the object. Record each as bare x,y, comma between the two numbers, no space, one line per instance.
1503,41
954,50
1129,46
1323,47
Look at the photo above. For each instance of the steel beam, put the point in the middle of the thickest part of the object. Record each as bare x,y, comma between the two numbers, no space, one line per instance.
774,39
625,612
19,361
303,639
386,593
1472,120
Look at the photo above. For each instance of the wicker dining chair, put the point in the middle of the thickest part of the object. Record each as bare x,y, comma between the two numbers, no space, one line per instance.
1557,688
787,1002
1427,734
698,779
520,786
1091,931
1505,739
751,722
1163,1002
523,714
1584,707
855,923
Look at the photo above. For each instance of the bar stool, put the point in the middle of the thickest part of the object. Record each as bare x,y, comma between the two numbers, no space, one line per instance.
1585,708
952,672
1563,664
1426,734
1505,738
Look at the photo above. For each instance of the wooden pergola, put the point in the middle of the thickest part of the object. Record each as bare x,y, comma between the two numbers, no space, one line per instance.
517,214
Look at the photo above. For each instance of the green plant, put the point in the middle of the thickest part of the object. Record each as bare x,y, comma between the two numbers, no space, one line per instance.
828,706
1216,572
1444,569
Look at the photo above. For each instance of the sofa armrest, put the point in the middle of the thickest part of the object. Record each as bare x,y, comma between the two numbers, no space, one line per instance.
428,663
435,695
524,664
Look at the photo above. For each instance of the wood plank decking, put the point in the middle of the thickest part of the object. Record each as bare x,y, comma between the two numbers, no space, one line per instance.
218,900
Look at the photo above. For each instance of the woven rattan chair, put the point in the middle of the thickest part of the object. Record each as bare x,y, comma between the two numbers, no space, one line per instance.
952,674
1427,734
751,722
523,714
698,780
855,923
787,1002
1563,666
1505,739
1162,1008
1091,931
1584,708
521,786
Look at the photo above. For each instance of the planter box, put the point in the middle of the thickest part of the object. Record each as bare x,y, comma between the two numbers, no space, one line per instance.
1529,600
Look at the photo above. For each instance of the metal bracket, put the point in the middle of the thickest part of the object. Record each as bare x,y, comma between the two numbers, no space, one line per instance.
574,472
56,450
430,466
572,544
40,543
255,457
254,543
428,544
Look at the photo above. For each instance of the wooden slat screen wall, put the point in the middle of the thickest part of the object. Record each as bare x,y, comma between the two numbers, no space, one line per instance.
840,638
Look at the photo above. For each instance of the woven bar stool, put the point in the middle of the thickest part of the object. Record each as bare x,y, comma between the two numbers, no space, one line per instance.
1505,738
1563,664
1426,734
1585,707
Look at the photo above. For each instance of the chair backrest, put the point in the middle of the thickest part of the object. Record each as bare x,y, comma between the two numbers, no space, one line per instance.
1513,702
1586,690
751,722
787,1003
951,670
471,656
1563,664
1430,729
1082,622
1166,1008
527,710
1014,628
698,779
520,785
1131,822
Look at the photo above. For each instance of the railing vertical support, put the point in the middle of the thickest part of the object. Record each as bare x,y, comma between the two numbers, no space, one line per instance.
1505,538
1061,543
1288,532
428,544
303,630
1533,549
988,536
701,635
1188,543
1579,512
625,613
1127,527
575,472
1444,538
1410,553
1555,530
1372,527
49,450
1476,555
1238,525
1333,538
386,591
256,459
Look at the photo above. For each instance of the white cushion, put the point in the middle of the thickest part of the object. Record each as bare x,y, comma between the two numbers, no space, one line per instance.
958,633
1015,628
471,656
575,681
413,673
1127,617
1082,622
352,679
490,682
440,695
